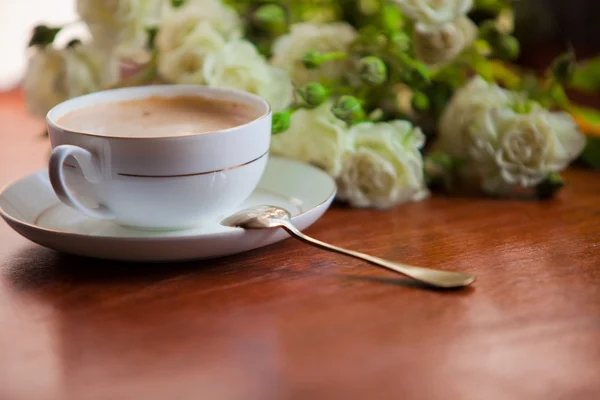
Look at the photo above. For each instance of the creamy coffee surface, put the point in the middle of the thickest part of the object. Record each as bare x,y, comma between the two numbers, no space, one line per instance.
159,117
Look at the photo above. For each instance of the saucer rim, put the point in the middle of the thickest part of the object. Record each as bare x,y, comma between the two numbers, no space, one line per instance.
12,220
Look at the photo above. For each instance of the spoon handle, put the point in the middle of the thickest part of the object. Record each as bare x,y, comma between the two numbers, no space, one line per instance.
441,279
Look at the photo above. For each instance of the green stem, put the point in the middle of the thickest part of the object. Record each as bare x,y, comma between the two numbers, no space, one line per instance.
335,55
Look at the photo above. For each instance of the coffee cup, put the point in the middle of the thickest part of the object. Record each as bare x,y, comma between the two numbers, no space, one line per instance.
161,181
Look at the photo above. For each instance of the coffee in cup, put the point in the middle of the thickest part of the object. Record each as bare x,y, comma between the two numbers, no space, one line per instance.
156,117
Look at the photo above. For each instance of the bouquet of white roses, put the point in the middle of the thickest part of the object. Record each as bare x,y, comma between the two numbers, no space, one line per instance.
353,83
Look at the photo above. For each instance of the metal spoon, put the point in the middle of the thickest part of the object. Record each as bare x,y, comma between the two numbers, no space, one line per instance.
266,217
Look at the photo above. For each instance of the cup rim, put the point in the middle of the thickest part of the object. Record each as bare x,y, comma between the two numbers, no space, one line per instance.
194,90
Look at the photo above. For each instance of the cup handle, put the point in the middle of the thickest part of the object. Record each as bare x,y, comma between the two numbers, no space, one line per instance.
88,165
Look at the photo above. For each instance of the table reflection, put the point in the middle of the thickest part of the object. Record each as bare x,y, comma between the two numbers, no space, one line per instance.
97,329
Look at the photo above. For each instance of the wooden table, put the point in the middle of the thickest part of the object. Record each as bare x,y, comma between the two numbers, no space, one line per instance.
293,322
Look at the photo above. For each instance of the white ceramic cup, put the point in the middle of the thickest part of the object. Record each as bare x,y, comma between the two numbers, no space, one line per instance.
162,183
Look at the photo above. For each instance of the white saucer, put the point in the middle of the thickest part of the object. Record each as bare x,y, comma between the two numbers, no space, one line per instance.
32,209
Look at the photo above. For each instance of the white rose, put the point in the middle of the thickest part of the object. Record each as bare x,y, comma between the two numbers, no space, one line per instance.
386,167
434,12
239,65
458,116
188,34
54,76
522,149
185,64
123,23
188,24
315,136
288,50
443,44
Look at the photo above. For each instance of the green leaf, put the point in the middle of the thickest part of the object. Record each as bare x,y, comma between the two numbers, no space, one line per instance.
503,73
392,19
588,120
43,35
587,76
590,115
558,95
532,87
591,154
413,72
439,169
563,68
550,186
483,68
491,6
177,3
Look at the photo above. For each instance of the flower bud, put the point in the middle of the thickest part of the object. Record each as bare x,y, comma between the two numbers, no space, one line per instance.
507,48
489,31
506,21
314,94
401,41
281,122
419,102
349,109
271,18
376,115
563,68
373,70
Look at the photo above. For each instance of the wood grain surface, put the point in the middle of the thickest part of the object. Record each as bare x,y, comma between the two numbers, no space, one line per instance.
293,322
